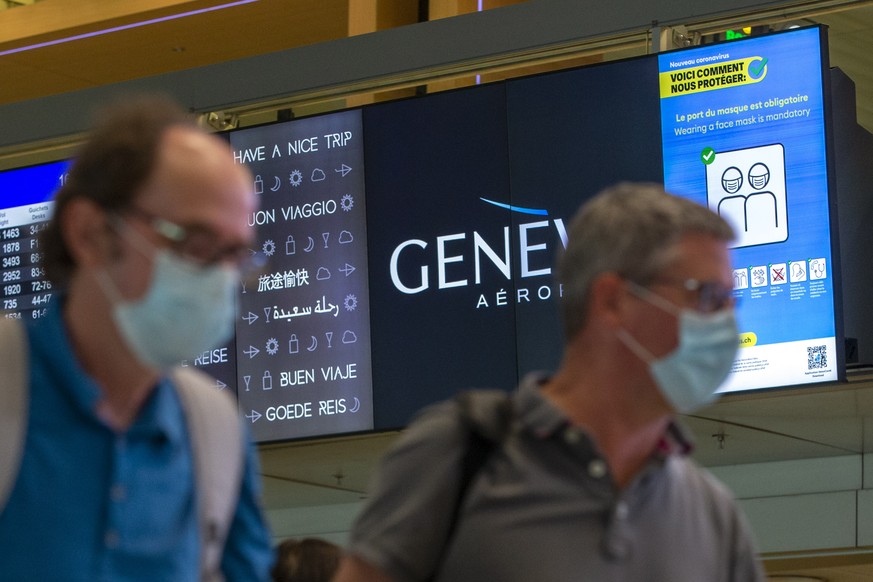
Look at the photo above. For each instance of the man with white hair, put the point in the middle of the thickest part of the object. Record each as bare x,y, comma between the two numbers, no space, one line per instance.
583,474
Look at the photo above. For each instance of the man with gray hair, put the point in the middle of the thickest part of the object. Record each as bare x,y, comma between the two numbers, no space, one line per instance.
583,474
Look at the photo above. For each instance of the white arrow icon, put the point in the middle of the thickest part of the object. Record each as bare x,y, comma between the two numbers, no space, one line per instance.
255,415
344,169
220,385
251,318
348,269
252,352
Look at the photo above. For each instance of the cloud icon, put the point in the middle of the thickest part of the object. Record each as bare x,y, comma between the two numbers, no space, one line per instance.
317,175
345,237
323,274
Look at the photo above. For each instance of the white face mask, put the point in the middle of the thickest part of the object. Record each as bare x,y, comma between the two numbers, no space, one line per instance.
689,376
187,309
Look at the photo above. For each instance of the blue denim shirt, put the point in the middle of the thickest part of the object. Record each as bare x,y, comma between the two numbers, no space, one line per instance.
94,504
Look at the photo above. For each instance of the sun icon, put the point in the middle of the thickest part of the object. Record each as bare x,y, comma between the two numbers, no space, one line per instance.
347,202
350,302
296,178
272,346
269,247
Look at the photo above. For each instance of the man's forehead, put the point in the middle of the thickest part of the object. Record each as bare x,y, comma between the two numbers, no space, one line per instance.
188,155
699,250
195,180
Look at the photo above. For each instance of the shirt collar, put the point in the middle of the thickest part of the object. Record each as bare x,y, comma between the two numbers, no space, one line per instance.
538,413
677,439
544,419
161,414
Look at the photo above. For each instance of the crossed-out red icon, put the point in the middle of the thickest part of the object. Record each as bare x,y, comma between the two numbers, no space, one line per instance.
777,274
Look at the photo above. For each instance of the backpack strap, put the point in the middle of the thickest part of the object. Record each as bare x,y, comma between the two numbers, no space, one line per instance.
218,453
13,402
214,426
486,416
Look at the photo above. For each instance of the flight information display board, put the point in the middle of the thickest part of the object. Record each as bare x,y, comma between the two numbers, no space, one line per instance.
27,207
303,335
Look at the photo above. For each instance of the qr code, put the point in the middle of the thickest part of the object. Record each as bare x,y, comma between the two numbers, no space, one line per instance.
816,357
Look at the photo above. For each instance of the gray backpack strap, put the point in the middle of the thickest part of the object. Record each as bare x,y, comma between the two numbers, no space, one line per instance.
217,448
14,400
486,417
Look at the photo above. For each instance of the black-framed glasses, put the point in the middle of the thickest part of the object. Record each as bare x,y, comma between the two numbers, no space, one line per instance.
710,296
198,244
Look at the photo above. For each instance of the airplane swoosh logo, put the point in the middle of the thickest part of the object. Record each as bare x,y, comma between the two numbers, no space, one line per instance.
537,211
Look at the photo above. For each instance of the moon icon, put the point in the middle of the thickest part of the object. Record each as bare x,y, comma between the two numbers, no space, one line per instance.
356,406
277,185
314,344
310,246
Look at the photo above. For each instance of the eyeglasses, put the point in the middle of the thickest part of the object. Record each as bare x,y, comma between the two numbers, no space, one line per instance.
709,296
198,244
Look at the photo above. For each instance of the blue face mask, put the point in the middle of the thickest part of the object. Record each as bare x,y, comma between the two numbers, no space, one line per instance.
690,375
187,309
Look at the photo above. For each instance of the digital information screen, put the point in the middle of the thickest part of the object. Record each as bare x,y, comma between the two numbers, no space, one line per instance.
431,272
27,206
596,131
441,259
743,131
303,335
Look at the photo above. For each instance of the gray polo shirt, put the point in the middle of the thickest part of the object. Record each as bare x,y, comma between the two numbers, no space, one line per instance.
545,508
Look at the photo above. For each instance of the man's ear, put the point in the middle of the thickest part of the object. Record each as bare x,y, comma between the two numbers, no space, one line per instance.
86,233
607,304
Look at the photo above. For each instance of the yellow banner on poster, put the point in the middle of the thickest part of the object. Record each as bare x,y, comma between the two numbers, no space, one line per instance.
715,76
